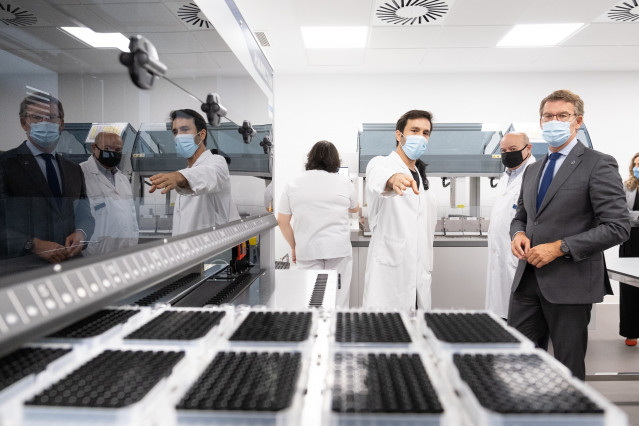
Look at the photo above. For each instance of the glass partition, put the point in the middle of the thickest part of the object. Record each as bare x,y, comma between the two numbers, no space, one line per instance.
453,148
42,61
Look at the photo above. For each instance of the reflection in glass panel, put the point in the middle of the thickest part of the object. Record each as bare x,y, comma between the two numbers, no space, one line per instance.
40,60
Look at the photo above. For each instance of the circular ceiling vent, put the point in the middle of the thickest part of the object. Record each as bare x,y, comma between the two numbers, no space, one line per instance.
411,12
16,16
628,11
192,14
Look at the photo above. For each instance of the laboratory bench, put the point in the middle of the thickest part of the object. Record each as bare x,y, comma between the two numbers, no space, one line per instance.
106,341
452,286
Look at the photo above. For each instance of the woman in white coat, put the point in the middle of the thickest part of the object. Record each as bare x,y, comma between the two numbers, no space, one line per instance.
402,218
516,154
319,199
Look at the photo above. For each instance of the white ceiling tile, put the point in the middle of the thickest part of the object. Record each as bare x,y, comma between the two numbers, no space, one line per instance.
394,57
80,15
593,58
335,57
564,11
403,37
330,12
227,60
452,60
487,12
211,40
471,36
183,42
138,17
609,34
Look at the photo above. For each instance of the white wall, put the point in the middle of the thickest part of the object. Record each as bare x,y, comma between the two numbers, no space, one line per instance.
309,108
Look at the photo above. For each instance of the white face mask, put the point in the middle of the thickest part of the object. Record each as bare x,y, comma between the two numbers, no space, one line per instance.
414,146
556,132
45,134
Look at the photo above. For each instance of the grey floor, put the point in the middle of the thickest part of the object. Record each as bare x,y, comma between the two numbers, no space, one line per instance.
607,353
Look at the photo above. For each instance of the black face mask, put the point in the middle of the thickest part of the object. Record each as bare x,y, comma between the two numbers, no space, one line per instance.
109,158
513,158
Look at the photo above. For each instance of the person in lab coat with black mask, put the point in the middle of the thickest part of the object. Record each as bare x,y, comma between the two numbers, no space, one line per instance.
204,187
110,196
516,154
402,218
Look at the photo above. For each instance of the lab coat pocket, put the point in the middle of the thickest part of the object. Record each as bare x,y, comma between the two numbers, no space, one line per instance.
391,251
98,206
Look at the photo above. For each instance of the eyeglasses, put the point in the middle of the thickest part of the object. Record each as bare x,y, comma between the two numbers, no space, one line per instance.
562,116
40,118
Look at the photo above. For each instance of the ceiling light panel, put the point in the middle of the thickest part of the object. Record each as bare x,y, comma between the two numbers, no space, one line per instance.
99,40
334,37
536,35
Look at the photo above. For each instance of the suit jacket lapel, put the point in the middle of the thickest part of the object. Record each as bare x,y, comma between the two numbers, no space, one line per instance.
533,194
64,185
567,167
33,171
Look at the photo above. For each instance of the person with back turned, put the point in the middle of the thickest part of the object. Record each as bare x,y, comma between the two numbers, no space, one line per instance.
516,155
318,202
110,195
44,210
571,208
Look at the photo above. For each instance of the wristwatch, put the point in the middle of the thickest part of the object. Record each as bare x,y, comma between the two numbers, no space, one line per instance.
28,246
564,248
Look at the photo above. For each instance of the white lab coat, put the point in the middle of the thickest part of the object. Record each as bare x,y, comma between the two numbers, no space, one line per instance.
501,262
208,202
113,209
400,254
319,202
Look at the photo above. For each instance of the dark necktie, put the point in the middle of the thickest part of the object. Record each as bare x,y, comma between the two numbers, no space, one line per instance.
547,178
52,176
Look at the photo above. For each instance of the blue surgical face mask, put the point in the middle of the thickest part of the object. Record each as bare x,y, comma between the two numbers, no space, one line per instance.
635,171
185,145
45,134
556,132
415,146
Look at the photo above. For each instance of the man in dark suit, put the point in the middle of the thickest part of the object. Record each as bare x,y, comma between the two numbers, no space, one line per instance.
571,208
44,208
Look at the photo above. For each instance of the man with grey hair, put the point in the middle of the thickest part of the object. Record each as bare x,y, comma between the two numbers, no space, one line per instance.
516,155
571,208
110,195
44,209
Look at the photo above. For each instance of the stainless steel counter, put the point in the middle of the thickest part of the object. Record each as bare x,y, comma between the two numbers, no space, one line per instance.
359,240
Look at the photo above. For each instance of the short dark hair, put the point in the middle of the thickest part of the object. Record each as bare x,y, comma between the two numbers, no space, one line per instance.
566,96
40,99
411,115
323,156
200,124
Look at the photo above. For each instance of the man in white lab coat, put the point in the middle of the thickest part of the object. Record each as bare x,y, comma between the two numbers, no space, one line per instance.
516,154
402,218
110,197
204,187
